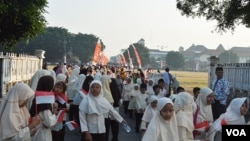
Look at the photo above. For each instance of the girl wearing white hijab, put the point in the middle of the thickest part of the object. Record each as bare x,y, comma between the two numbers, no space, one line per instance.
163,126
149,113
106,80
132,96
233,115
203,116
14,115
92,110
184,116
61,77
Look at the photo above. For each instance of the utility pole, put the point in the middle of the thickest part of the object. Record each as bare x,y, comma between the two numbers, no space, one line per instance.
64,57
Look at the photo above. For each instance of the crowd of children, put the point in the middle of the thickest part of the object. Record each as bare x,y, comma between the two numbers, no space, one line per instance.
91,97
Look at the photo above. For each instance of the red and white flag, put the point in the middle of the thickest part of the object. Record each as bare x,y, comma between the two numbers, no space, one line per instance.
71,125
43,97
60,116
61,98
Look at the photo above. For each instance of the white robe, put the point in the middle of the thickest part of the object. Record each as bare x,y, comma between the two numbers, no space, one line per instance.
48,120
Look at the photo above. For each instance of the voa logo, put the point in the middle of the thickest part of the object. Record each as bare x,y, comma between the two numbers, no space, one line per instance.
236,132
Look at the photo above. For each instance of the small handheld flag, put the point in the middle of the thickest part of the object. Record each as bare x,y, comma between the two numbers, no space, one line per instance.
60,116
43,97
71,125
61,98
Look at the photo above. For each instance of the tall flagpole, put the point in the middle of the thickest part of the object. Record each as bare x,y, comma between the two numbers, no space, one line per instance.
130,60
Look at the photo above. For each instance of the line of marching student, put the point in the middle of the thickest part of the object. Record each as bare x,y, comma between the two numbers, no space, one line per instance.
91,97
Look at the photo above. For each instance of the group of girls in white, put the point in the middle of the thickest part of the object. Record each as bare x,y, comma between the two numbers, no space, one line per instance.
93,102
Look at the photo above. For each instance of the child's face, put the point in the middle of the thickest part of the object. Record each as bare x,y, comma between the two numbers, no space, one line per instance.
95,89
210,99
243,108
196,94
150,82
157,90
143,90
154,104
167,111
58,89
161,84
136,88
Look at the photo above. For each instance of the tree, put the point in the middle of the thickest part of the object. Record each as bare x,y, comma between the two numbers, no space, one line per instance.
175,60
227,13
57,42
228,57
54,40
83,46
20,20
143,52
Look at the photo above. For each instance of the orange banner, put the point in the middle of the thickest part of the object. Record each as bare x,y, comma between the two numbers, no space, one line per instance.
138,59
123,59
96,55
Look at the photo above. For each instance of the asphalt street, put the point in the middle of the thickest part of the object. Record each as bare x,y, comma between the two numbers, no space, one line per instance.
123,136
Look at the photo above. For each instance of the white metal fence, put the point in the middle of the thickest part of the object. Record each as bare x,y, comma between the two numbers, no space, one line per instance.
238,75
18,68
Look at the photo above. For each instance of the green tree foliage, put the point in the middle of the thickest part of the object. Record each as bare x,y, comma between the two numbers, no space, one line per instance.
143,52
175,60
20,20
54,41
228,57
227,13
83,46
57,41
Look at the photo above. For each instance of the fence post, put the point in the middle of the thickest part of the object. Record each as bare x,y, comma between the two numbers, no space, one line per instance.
40,54
213,63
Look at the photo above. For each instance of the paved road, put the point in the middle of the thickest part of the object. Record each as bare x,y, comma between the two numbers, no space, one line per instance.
123,136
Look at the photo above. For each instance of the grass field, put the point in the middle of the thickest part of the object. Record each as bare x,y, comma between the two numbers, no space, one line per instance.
188,80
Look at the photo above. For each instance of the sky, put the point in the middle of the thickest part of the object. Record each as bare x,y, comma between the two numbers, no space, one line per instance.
119,23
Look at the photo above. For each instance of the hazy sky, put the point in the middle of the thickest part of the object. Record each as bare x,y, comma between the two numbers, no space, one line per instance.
122,22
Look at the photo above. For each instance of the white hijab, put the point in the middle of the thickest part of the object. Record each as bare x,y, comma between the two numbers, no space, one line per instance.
106,80
205,111
150,89
13,117
95,104
150,112
61,77
159,129
97,75
232,116
74,74
37,75
184,112
79,82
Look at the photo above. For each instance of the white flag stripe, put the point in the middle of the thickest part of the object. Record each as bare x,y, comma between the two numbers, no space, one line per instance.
70,126
45,99
61,100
